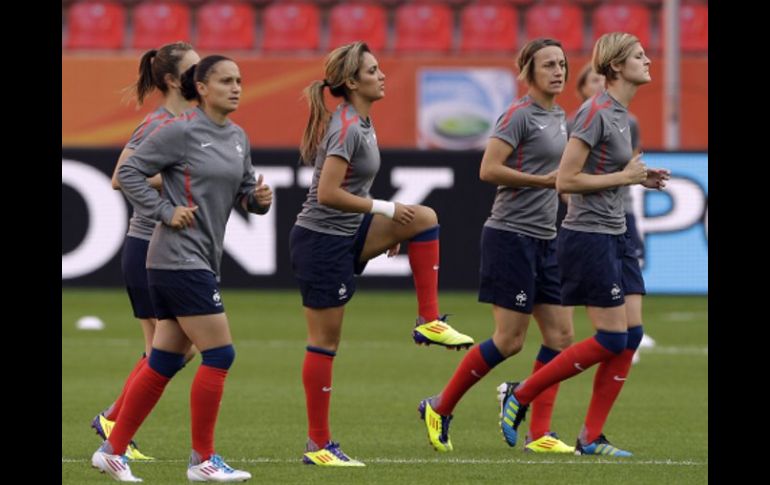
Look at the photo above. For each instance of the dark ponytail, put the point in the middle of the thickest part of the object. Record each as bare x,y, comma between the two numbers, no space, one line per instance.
153,67
189,92
145,84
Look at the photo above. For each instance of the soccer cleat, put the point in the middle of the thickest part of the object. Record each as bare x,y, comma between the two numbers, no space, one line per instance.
548,443
115,466
440,333
215,470
511,412
133,453
438,426
103,428
329,455
600,446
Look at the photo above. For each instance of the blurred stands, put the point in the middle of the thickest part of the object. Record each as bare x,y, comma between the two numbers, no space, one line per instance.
296,27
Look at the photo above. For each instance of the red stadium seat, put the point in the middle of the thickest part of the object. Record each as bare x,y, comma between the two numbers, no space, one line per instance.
96,25
563,22
158,23
291,27
225,25
423,28
694,28
634,19
488,28
349,22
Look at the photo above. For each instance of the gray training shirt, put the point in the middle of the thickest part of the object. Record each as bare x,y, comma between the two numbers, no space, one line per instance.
354,140
625,191
538,137
202,164
602,123
139,226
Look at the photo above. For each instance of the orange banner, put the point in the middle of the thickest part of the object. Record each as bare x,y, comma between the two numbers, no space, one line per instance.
274,115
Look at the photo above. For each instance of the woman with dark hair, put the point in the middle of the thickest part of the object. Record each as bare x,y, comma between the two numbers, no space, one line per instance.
161,70
205,161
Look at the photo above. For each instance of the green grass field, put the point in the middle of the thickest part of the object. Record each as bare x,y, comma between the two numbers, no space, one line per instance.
379,378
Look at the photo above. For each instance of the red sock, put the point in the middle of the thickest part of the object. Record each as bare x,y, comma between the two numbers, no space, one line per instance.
423,259
542,408
317,379
205,397
571,361
609,380
142,395
114,410
470,371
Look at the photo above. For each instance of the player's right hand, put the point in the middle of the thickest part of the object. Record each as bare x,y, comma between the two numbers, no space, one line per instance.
183,217
404,214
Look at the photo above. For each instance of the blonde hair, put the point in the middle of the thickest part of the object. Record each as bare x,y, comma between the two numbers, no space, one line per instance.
526,58
342,64
614,47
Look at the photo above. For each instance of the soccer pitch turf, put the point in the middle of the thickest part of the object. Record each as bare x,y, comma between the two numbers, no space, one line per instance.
379,378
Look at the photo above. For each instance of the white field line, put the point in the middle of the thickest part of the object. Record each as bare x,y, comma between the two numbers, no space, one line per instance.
453,461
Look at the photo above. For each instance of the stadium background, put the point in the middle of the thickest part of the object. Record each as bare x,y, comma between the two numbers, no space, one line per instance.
280,46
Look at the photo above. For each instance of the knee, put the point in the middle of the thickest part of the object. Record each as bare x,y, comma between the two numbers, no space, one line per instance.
220,357
559,339
165,363
509,345
425,216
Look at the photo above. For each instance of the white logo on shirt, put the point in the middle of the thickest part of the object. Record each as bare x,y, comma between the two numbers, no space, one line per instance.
615,291
239,148
623,129
326,389
204,145
343,291
542,127
521,299
217,298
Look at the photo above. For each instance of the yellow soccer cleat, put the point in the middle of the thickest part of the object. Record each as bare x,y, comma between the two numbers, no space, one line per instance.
329,455
103,428
548,443
440,333
438,426
133,453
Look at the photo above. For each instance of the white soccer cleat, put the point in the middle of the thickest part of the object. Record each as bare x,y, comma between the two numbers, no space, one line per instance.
647,342
216,470
115,466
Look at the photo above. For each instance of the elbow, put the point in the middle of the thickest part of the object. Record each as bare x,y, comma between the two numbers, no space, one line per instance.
560,187
485,174
325,197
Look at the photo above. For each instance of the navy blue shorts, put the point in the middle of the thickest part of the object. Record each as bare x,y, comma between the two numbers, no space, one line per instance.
184,293
325,265
633,283
518,271
596,269
133,261
634,240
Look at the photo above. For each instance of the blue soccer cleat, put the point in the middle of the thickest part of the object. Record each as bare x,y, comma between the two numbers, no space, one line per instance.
600,446
511,412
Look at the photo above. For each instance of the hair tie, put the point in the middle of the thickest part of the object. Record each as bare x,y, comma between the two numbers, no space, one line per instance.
326,83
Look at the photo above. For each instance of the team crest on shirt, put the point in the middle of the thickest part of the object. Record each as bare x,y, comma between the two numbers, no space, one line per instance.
239,148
